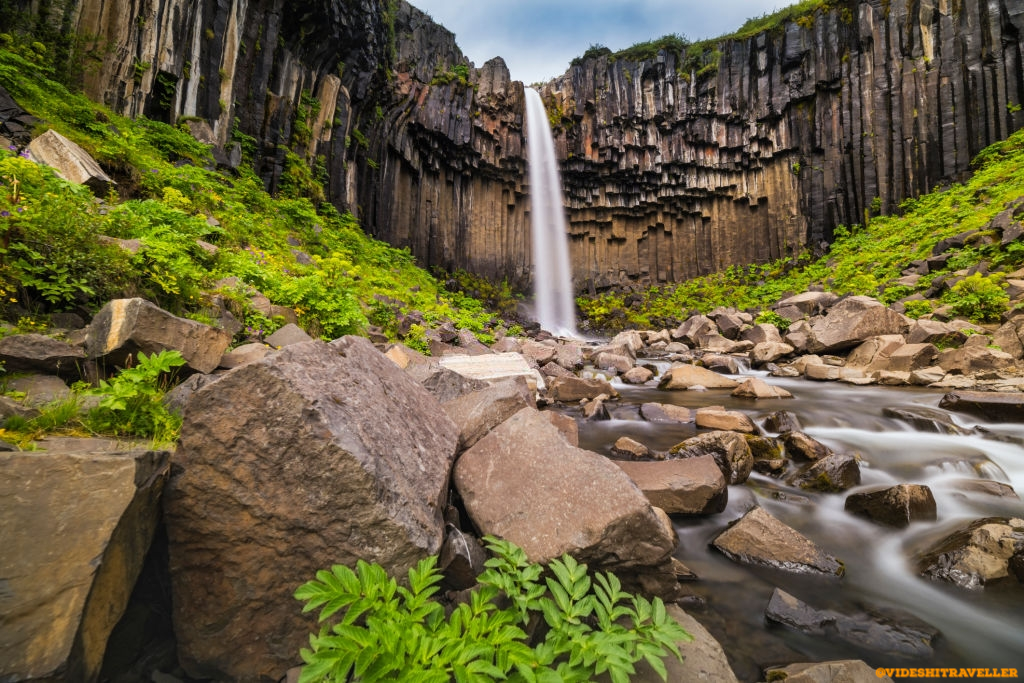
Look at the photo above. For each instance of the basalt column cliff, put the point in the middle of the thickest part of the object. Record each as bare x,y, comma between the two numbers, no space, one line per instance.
675,165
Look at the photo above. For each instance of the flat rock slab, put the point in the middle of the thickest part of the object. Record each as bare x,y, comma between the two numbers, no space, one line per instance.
760,539
78,519
993,406
72,162
318,454
39,353
665,413
575,389
685,376
889,632
494,366
525,483
687,486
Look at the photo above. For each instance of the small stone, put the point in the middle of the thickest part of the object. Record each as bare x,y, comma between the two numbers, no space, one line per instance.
895,506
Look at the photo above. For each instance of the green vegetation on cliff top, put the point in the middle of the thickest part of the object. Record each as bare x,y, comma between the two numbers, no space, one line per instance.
866,259
195,230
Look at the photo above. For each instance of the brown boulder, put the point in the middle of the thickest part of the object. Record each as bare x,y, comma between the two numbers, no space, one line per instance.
125,327
996,407
969,359
729,449
320,454
523,482
976,555
769,352
760,539
835,472
575,389
665,413
637,375
755,387
685,376
687,486
799,446
477,412
626,447
895,506
78,520
851,321
725,420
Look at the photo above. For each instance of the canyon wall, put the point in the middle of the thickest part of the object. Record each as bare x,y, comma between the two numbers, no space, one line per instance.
669,170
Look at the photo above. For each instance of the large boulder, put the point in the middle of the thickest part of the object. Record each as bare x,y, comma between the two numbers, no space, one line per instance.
477,412
124,327
985,551
665,413
693,330
1010,337
523,482
685,376
809,303
493,366
78,520
760,539
895,506
834,472
72,162
969,359
730,450
687,486
755,387
852,321
320,454
39,353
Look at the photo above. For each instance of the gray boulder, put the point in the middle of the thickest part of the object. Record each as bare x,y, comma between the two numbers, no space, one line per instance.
889,632
322,454
996,407
125,327
757,538
78,521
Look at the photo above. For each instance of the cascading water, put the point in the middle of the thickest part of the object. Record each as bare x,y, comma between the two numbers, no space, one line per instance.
552,275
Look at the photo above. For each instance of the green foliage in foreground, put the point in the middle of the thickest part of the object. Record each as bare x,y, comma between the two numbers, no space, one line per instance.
130,404
195,227
864,259
385,632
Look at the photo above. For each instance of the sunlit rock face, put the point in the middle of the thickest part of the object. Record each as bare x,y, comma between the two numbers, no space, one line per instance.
669,171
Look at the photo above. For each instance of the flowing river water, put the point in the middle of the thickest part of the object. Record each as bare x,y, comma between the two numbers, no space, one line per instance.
979,628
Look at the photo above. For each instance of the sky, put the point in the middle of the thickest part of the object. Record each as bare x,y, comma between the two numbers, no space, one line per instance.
538,38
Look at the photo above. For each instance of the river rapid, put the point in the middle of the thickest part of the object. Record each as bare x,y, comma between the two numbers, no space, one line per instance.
979,628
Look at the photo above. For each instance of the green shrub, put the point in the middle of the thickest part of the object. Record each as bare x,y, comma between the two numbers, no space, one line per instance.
916,308
979,298
132,400
383,631
773,318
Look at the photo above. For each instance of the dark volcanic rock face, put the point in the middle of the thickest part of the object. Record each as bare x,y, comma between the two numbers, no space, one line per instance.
669,171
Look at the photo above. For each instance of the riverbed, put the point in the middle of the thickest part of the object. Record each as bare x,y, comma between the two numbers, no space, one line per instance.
979,628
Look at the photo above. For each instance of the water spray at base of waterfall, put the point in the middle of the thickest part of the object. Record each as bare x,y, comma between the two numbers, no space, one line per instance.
552,274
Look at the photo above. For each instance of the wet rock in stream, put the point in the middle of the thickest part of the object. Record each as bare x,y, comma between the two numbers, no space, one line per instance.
888,632
986,550
760,539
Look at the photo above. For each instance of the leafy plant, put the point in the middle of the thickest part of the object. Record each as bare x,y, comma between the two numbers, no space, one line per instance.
980,298
132,400
773,318
383,631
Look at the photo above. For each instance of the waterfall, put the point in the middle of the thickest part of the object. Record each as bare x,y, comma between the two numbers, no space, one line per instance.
552,275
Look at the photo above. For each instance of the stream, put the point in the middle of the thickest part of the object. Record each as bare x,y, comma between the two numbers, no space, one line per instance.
979,628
